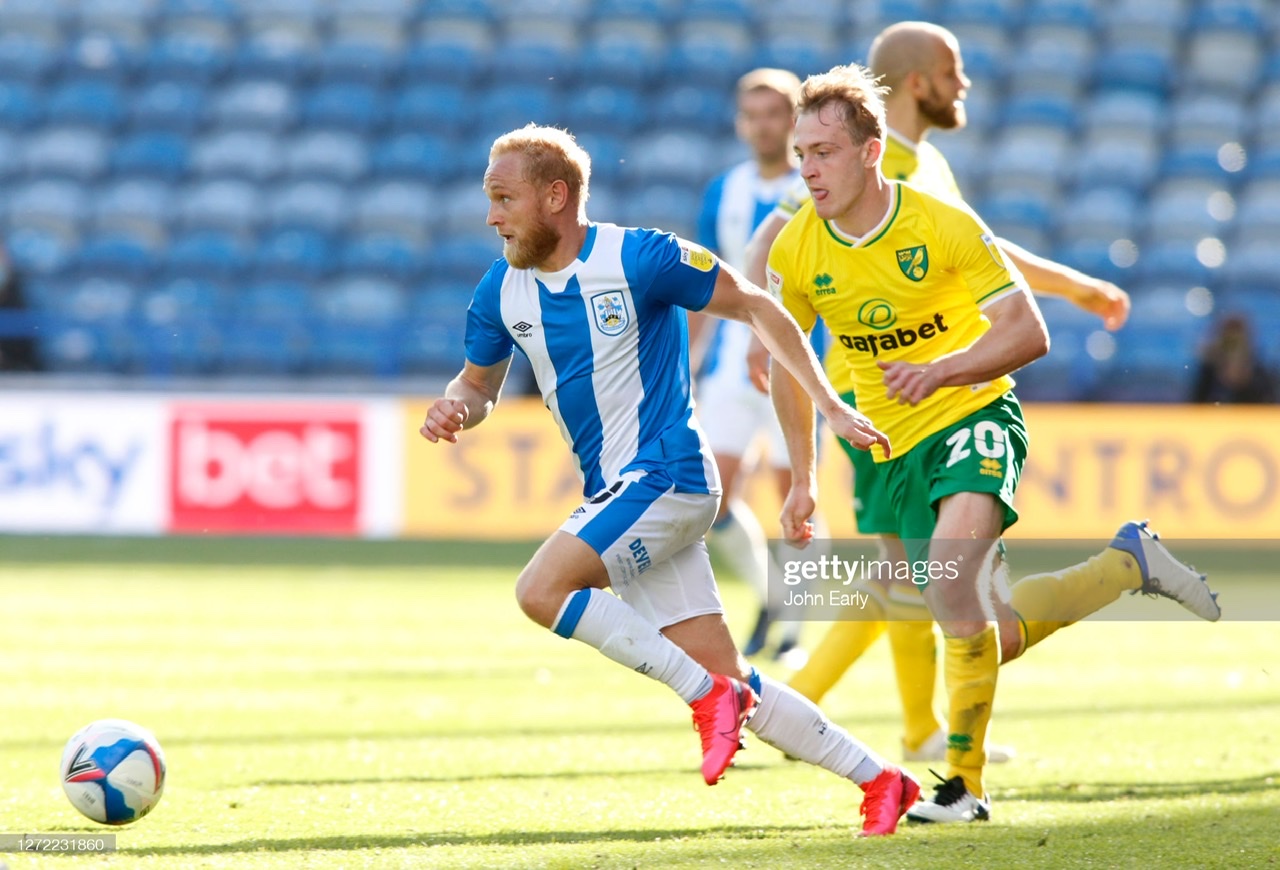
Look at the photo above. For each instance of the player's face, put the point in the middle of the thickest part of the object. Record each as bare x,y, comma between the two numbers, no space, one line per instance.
764,123
518,213
834,168
945,86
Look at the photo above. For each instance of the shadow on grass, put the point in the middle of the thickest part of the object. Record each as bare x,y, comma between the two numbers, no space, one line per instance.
1090,792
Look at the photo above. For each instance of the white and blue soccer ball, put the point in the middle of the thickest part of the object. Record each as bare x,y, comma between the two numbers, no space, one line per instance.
113,771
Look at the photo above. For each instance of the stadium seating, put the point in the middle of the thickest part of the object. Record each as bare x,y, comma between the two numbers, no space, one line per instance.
297,156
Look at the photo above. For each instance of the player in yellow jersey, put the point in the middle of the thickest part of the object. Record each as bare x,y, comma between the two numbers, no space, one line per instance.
929,321
922,66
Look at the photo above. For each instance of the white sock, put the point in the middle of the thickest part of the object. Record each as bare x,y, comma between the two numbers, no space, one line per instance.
606,622
788,721
740,542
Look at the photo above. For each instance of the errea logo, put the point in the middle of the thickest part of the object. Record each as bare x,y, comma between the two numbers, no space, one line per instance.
822,285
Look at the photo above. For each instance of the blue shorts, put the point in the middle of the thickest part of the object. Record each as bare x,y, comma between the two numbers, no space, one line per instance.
650,538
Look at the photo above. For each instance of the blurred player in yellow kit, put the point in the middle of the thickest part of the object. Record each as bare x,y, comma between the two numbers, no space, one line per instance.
928,322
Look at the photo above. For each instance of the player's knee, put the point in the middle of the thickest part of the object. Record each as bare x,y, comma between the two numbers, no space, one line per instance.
538,599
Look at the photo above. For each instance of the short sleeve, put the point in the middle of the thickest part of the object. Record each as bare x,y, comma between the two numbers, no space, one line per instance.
979,260
781,281
487,340
664,268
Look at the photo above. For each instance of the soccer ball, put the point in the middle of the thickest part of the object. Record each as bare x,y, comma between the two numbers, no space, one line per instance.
113,771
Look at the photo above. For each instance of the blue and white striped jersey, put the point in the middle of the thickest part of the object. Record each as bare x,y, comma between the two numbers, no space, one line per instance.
609,347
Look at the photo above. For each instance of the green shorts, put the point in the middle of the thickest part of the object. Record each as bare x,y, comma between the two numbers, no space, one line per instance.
871,508
983,452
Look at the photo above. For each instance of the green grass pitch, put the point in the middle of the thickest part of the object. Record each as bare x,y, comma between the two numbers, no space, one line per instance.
353,704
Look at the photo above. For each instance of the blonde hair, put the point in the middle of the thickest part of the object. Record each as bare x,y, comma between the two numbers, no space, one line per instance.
858,97
550,154
782,82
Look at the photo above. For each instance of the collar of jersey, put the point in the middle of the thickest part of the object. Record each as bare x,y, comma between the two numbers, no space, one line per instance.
877,231
587,244
890,133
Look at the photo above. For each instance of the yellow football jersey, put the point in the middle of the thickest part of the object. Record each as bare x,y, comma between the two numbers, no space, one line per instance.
903,160
912,289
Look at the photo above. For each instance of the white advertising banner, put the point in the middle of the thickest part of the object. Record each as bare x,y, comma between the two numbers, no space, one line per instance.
85,463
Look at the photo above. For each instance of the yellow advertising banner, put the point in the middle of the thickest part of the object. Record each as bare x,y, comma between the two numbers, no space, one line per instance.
1195,471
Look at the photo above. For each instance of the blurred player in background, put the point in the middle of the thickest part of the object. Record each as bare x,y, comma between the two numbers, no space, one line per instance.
734,414
921,65
929,321
599,312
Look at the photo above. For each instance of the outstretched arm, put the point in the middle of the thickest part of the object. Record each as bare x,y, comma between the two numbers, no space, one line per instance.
737,299
1055,279
467,401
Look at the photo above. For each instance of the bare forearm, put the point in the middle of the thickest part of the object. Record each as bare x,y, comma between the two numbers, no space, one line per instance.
1006,347
788,346
795,415
476,396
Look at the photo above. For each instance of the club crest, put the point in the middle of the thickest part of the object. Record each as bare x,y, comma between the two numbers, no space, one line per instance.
610,310
914,262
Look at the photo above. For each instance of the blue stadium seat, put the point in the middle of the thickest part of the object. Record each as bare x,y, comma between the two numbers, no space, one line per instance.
1206,119
59,206
99,298
992,13
1258,212
327,154
185,347
256,105
1124,109
450,52
345,106
734,11
285,54
207,254
66,152
1093,257
1028,158
534,56
803,53
662,12
626,53
382,255
274,348
407,208
387,13
1135,67
28,57
709,55
255,155
105,55
358,59
358,350
1228,60
189,54
419,156
1014,210
41,253
464,259
669,207
137,13
504,107
364,299
20,105
1052,109
139,205
692,108
170,105
216,10
83,347
673,156
1227,15
1080,14
608,157
317,205
1182,210
1120,158
438,109
1100,214
115,254
294,255
1200,161
232,205
607,108
791,18
274,301
10,152
155,154
1176,261
184,299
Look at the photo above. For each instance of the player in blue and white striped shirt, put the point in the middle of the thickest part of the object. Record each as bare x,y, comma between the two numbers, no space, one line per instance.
599,312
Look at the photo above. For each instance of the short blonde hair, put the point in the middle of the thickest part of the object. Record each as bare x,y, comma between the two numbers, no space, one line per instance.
858,96
550,154
780,81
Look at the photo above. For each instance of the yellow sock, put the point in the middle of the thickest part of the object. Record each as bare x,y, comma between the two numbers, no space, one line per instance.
842,645
970,672
1048,602
915,663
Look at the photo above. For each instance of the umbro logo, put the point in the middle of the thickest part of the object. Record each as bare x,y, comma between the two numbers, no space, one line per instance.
522,329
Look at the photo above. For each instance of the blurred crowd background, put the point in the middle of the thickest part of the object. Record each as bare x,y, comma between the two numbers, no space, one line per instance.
236,189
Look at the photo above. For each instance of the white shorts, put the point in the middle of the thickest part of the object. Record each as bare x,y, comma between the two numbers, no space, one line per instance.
651,541
737,417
